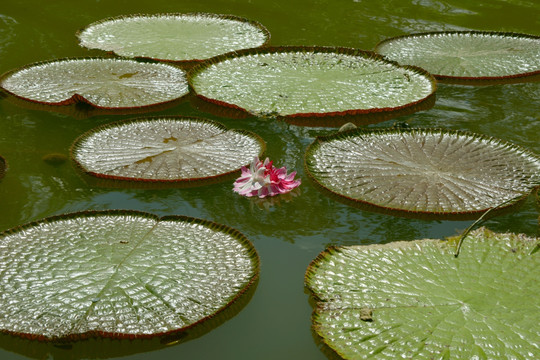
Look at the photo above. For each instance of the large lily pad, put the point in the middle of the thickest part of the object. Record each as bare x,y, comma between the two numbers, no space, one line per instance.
101,83
314,82
119,274
416,300
422,171
165,150
468,56
175,37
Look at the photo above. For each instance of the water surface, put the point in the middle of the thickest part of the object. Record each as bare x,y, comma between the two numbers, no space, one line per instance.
275,323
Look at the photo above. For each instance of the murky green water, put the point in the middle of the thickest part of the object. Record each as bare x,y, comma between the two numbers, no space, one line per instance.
275,323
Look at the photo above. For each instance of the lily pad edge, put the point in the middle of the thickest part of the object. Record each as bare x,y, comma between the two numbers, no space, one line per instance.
473,80
127,181
466,215
79,99
112,212
254,23
302,118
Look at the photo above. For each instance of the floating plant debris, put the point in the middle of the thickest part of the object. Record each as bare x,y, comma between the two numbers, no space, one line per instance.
467,56
422,171
101,83
174,37
120,274
313,82
165,149
415,299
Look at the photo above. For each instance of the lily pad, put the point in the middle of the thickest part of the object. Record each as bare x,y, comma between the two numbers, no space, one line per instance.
101,83
165,149
173,36
120,274
422,171
468,56
313,82
416,300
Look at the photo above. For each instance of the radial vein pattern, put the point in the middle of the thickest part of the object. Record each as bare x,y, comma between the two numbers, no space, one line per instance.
104,83
118,274
299,81
416,300
467,54
423,171
165,149
177,37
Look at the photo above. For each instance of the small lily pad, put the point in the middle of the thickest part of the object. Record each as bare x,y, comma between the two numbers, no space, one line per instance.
468,56
120,274
422,171
101,83
165,150
312,82
416,300
173,36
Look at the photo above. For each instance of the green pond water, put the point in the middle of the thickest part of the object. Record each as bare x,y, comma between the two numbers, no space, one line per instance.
275,322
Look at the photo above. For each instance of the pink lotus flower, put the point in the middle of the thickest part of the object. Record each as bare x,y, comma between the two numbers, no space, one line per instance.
262,180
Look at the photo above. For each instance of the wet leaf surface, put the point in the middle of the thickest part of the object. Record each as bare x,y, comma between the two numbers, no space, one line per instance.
415,299
119,274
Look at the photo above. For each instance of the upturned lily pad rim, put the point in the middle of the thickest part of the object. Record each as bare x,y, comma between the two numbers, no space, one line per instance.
191,62
104,348
473,80
318,300
428,215
242,239
302,118
77,99
83,110
122,181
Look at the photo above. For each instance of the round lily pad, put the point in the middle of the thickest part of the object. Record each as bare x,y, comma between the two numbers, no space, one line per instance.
467,56
312,82
173,36
165,149
422,171
416,300
119,274
101,83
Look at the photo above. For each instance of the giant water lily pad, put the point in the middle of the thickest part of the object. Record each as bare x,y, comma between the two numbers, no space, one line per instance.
315,82
119,274
165,149
422,171
175,37
416,300
467,56
101,83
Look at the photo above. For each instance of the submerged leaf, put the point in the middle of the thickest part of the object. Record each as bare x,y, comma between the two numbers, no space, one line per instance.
468,56
165,149
303,81
102,83
119,274
416,300
175,37
424,171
